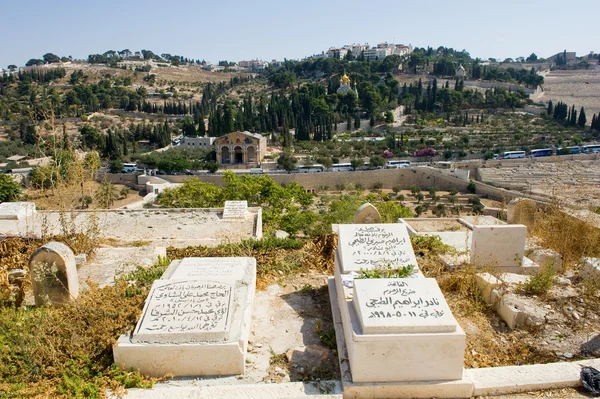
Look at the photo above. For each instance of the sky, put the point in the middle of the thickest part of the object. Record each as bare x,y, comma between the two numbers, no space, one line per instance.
236,30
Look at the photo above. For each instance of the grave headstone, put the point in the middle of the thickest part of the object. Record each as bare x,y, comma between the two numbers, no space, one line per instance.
367,214
498,246
53,274
179,311
235,209
369,246
386,306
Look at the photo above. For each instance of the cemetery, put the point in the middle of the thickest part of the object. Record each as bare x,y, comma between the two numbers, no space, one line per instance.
446,307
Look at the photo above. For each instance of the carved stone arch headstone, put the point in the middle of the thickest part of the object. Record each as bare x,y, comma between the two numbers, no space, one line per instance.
367,214
53,274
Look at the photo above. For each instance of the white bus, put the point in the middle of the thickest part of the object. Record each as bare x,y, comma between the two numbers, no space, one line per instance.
397,164
341,167
513,154
310,168
591,149
129,167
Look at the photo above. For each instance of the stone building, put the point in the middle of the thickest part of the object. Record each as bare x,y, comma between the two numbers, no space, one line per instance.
241,148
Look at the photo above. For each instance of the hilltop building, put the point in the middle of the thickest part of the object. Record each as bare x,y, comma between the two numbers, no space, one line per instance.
460,72
241,148
379,52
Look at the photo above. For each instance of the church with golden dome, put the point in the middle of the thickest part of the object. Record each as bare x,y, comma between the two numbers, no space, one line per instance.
345,87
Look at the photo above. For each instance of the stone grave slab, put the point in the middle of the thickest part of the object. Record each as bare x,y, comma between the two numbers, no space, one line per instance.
498,246
386,306
186,311
367,213
368,246
53,274
235,209
202,268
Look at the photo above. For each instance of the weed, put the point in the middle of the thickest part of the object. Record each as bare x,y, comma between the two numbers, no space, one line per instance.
429,245
540,282
387,271
327,336
138,243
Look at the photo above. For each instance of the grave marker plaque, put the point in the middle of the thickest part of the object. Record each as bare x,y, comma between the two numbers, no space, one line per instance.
235,209
180,311
388,306
368,246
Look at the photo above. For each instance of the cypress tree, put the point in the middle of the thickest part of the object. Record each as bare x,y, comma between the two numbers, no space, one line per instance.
582,119
550,108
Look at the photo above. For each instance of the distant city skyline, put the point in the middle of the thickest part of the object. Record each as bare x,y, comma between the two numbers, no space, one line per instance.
238,30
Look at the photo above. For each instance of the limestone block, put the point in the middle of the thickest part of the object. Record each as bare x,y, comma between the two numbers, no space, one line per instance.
591,268
182,359
514,379
367,214
498,246
53,274
545,257
487,283
513,279
368,246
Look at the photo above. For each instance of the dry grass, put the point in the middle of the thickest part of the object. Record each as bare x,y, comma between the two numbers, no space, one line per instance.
67,351
571,237
275,258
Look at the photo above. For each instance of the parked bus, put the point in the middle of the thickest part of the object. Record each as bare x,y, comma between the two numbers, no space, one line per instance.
129,167
568,150
397,164
310,168
543,152
341,167
590,149
513,154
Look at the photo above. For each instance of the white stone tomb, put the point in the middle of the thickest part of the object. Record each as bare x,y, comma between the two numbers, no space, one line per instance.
196,320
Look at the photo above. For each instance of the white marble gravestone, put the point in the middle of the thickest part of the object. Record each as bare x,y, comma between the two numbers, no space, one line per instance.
235,209
385,306
369,246
196,320
367,213
53,274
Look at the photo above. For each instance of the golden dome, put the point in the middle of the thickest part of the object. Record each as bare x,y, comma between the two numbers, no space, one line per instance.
345,80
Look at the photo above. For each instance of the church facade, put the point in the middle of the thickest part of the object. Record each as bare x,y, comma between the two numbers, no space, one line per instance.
240,148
